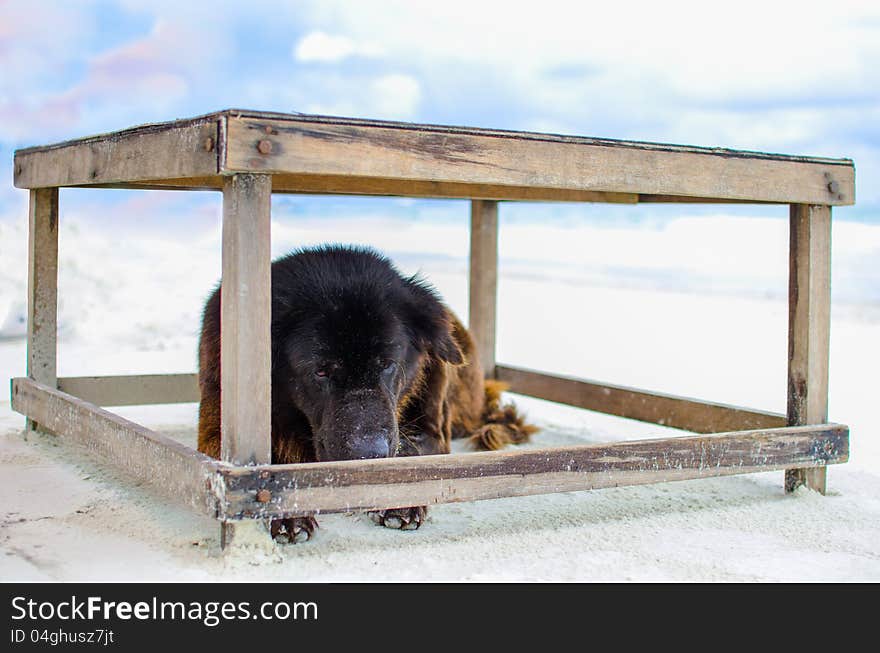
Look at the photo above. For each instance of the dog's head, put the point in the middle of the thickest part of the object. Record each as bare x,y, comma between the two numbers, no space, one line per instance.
353,346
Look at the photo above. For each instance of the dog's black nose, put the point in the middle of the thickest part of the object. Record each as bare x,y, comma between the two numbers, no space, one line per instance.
370,448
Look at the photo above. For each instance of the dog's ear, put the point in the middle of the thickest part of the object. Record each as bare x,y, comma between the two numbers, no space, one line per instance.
446,347
430,324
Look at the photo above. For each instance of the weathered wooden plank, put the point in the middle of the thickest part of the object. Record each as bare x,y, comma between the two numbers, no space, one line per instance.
184,149
176,470
426,480
809,323
483,275
342,185
133,390
43,285
42,288
221,116
644,198
300,145
654,407
245,298
430,160
510,134
245,329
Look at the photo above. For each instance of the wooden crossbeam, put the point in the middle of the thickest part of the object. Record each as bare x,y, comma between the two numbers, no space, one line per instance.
132,389
426,480
174,469
643,405
654,407
229,492
321,154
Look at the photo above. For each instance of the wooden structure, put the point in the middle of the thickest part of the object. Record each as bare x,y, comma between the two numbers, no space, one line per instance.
249,155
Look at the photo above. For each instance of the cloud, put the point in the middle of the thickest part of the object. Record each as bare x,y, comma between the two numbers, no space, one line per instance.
630,70
748,47
132,82
778,76
325,48
396,96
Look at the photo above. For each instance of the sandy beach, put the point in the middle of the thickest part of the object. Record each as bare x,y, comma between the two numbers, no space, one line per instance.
63,517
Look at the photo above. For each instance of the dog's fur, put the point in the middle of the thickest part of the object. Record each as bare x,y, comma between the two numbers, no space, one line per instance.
365,363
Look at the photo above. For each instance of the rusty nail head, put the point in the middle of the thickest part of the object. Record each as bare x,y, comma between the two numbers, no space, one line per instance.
264,147
208,145
263,496
840,196
833,186
828,175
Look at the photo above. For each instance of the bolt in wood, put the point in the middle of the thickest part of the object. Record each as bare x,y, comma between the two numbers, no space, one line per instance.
264,147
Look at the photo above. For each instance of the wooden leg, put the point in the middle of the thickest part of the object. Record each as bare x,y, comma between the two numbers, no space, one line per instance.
42,288
245,347
809,319
484,280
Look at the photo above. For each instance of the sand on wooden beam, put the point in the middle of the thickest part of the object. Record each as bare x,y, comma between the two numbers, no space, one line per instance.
174,469
307,488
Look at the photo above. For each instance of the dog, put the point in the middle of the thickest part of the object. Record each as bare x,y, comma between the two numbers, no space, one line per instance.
366,363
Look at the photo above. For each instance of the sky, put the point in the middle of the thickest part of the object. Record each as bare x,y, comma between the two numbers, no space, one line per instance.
791,77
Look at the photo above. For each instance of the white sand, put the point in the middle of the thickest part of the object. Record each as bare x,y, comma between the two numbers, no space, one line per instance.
65,518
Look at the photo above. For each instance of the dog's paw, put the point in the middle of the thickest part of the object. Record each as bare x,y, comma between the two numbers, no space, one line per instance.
404,519
294,530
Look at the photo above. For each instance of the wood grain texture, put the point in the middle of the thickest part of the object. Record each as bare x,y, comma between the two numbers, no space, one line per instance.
177,471
246,305
151,152
326,154
483,281
809,324
303,146
42,317
343,185
43,285
654,407
426,480
283,183
245,336
133,390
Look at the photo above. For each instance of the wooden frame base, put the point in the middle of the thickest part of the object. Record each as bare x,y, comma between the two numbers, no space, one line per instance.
642,405
230,492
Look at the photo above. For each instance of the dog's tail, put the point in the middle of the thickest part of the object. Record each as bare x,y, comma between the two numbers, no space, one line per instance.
502,424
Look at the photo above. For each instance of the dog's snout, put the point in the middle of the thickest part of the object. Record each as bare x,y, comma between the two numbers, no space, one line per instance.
370,448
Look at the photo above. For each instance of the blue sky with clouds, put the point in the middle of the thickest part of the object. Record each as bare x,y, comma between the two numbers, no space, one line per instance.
794,77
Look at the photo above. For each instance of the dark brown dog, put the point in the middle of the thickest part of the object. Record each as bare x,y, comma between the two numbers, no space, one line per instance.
365,364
